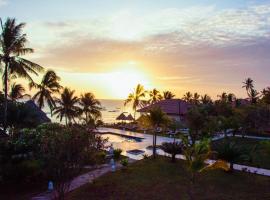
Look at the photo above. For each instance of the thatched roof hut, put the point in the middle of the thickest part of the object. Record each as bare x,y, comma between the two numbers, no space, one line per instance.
121,117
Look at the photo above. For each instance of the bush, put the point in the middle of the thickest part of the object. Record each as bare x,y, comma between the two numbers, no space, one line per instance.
172,148
124,162
117,153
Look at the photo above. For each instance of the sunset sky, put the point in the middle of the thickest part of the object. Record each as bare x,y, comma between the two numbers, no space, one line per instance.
108,46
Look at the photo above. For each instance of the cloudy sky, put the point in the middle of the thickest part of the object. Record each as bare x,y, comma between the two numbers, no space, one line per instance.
108,46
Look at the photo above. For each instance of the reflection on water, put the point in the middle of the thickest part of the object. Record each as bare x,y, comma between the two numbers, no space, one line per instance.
126,141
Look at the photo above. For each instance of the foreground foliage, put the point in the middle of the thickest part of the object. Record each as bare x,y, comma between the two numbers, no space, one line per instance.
160,179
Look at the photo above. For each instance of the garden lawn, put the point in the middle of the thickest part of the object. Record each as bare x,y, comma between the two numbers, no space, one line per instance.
161,179
259,155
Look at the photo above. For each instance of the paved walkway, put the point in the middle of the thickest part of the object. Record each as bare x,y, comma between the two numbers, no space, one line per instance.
81,180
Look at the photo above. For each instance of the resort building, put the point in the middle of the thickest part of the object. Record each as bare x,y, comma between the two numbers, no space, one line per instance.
174,108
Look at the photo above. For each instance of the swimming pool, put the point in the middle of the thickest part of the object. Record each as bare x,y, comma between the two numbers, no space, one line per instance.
128,141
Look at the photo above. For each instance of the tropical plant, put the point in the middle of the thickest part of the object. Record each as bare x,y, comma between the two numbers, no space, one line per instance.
196,98
248,85
223,97
266,95
12,48
188,97
16,92
67,106
157,118
168,95
136,98
124,163
91,107
254,96
196,122
231,97
206,99
196,156
49,85
155,96
172,148
117,153
230,152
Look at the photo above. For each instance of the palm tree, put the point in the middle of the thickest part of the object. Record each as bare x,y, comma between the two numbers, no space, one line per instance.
206,99
223,97
155,96
16,92
67,106
188,97
157,118
91,107
231,97
254,95
168,95
248,85
12,47
48,86
136,98
196,98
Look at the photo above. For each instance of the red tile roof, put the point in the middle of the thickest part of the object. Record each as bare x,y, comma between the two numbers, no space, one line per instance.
170,107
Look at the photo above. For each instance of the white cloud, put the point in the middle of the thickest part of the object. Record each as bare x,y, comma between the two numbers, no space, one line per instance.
3,2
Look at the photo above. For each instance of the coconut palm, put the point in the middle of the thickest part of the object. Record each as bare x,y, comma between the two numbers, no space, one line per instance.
168,95
155,96
67,106
91,107
16,92
223,97
136,98
254,95
206,99
12,48
231,97
157,118
248,85
266,95
49,85
196,98
188,97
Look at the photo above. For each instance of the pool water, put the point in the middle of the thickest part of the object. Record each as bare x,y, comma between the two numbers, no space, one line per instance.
128,141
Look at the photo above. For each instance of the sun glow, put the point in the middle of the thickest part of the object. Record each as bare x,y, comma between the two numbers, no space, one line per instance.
116,84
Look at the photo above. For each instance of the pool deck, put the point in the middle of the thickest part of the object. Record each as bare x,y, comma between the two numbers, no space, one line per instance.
148,141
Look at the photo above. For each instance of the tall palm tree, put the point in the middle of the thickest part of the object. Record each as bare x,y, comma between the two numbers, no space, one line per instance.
155,96
136,97
48,86
196,98
67,106
168,95
157,118
16,92
206,99
248,85
188,97
91,107
12,47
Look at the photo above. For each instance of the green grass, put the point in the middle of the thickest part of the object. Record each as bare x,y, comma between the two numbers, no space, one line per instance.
160,179
260,156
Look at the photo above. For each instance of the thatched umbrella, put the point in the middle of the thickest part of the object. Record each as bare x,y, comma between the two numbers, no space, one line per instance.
129,118
121,117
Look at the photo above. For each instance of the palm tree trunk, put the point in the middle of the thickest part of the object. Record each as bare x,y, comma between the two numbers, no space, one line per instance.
6,94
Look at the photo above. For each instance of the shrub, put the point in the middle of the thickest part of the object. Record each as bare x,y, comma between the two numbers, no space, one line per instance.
124,162
172,148
117,153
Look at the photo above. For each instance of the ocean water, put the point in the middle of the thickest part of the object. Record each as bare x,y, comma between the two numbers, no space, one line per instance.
111,110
